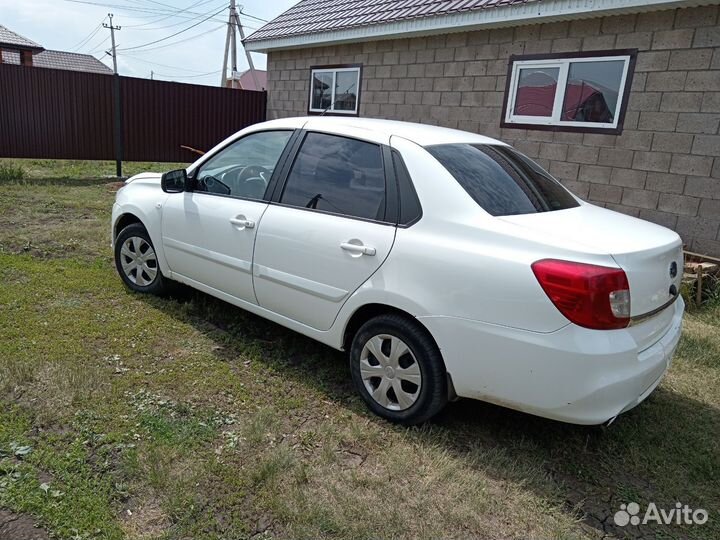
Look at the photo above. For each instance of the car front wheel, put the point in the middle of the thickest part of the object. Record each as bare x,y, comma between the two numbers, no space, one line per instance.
136,261
398,369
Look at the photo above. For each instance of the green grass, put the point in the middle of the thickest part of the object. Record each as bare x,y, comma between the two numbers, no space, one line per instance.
128,416
19,170
9,172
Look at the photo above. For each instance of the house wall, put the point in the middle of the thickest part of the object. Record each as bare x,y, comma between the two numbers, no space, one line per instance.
664,167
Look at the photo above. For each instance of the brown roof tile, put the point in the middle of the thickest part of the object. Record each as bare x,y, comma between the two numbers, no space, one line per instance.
61,60
313,16
8,38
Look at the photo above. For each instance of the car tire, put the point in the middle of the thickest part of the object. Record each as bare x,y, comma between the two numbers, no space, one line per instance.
398,370
136,261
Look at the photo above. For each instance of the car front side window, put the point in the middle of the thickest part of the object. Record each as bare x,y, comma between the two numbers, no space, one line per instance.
338,175
243,169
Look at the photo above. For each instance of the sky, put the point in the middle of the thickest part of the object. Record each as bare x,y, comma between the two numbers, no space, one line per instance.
193,56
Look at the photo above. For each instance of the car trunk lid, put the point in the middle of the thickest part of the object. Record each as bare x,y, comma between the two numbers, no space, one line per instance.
650,255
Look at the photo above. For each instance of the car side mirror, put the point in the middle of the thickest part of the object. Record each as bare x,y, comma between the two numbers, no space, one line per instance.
174,181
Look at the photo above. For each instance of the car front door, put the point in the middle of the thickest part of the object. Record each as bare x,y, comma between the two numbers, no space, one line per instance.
208,233
327,231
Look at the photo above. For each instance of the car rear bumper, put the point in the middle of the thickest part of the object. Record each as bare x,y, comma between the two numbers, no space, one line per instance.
573,375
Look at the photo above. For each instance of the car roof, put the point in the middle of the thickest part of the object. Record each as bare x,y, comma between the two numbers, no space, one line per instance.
379,130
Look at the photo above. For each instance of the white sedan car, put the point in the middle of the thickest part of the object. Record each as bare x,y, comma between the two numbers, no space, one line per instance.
447,263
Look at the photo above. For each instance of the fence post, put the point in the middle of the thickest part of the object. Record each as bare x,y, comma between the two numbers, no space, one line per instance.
117,124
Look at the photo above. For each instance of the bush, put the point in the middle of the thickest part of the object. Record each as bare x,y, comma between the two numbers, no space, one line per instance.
11,173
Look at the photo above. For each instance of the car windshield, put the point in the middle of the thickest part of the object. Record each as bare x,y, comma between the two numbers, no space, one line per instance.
502,180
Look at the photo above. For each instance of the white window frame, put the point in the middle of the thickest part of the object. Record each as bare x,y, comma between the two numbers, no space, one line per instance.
564,66
334,72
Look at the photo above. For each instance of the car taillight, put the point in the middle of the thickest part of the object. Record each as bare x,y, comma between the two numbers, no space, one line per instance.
592,296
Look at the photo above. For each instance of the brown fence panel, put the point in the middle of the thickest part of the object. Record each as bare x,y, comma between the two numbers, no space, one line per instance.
56,114
160,116
49,113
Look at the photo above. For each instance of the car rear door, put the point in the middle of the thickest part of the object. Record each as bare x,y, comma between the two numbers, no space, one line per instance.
208,233
329,227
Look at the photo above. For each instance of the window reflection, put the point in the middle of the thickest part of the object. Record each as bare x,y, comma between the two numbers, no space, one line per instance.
592,91
322,90
345,90
536,91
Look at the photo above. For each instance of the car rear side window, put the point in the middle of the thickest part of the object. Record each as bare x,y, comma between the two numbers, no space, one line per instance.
410,209
337,175
501,180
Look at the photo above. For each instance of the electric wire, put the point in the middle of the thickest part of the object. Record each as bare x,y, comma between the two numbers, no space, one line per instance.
97,45
185,40
183,21
92,34
189,76
142,46
153,63
172,15
241,12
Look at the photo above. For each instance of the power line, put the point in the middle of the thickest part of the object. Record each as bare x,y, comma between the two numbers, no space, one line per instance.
165,6
92,34
174,14
189,76
146,10
118,6
185,19
162,65
99,46
173,35
163,13
252,16
174,7
172,43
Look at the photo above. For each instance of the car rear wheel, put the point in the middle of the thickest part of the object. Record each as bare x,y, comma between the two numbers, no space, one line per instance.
136,261
398,370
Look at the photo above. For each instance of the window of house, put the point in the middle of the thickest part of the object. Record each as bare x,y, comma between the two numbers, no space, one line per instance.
335,90
337,175
565,92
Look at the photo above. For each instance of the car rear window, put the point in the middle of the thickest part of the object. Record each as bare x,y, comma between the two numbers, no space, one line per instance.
501,180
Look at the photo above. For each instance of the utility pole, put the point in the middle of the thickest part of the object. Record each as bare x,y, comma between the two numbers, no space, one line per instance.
247,53
233,37
231,46
112,39
117,102
223,75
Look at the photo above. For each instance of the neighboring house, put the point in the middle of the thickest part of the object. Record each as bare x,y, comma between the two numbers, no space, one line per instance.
16,49
245,80
619,99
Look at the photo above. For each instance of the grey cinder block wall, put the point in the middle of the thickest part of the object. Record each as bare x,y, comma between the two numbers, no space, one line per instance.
664,167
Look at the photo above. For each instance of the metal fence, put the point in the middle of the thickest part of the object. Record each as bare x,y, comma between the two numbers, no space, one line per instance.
49,113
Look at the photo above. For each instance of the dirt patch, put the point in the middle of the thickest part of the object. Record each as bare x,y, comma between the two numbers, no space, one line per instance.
114,186
143,519
18,526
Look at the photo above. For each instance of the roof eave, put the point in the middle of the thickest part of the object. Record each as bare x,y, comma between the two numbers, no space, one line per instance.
509,15
17,47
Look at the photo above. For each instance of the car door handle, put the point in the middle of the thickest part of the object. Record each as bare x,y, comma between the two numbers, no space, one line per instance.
241,222
358,248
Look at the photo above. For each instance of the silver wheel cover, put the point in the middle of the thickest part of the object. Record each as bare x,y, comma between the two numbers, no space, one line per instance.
138,261
390,372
